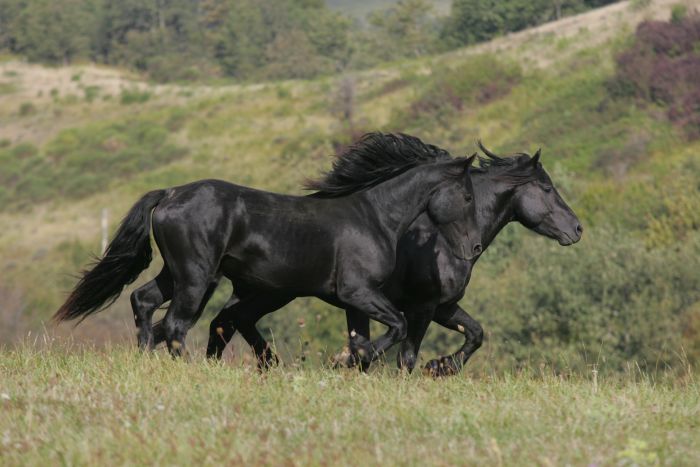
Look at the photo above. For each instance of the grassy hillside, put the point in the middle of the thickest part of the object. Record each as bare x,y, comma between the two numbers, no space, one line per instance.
79,139
81,407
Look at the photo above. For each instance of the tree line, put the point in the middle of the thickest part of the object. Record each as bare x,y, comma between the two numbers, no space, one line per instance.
254,39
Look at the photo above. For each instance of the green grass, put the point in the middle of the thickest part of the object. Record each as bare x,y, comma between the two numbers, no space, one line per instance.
72,405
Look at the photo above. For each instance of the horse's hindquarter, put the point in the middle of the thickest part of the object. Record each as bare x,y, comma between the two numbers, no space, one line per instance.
265,239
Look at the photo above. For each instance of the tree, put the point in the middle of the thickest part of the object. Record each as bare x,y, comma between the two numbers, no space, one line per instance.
472,21
55,32
404,30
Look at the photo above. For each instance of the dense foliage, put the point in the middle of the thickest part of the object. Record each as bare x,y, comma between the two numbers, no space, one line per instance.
186,40
479,20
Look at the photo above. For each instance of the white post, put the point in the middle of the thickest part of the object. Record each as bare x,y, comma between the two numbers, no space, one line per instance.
105,225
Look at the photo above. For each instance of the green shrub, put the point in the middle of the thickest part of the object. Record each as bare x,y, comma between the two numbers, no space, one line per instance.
678,13
283,92
606,301
79,162
177,119
7,88
134,96
26,109
91,93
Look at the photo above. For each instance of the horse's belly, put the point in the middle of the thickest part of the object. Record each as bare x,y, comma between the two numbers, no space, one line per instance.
308,275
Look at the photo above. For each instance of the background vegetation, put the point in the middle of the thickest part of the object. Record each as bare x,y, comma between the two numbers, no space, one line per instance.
620,143
246,39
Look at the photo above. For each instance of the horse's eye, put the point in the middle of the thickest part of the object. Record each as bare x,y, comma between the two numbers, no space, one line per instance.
547,188
468,198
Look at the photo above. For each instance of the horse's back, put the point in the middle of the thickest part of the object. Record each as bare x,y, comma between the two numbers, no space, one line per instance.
247,233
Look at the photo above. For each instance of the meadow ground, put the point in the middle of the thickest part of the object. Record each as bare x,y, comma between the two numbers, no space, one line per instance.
73,405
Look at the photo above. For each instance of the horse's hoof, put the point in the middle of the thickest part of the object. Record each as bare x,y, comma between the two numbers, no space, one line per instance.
267,361
441,367
344,359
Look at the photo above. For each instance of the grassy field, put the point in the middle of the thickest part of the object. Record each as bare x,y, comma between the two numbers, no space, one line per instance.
72,405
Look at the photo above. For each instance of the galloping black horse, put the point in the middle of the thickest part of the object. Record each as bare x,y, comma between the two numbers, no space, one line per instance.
341,249
428,280
507,189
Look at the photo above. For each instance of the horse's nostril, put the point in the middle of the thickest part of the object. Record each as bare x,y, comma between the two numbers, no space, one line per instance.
579,229
477,249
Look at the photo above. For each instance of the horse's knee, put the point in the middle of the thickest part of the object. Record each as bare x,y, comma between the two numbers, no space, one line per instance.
143,301
476,335
216,328
400,329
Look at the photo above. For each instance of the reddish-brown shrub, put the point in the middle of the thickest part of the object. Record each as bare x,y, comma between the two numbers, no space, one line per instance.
663,66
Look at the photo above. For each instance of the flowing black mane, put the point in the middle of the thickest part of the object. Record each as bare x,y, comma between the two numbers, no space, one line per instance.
518,168
373,159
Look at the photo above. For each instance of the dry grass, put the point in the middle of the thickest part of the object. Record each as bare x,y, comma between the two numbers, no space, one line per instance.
542,46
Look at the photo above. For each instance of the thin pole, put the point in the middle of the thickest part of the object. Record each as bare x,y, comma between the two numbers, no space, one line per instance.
105,227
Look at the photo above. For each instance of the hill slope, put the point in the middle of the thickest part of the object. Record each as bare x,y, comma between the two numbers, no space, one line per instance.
77,140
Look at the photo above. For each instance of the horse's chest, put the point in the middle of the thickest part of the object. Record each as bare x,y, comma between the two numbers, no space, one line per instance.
454,274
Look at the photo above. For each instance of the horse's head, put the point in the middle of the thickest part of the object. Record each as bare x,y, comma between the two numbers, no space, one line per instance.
536,202
452,208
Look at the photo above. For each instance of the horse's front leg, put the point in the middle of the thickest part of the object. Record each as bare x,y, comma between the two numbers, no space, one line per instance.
418,322
242,316
221,328
374,304
455,318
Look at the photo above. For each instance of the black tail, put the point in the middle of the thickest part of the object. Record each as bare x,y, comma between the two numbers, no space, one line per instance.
127,255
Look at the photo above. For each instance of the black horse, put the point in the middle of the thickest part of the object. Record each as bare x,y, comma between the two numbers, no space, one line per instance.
342,248
428,280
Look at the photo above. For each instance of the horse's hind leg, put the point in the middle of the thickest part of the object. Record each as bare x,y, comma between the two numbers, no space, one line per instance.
189,299
145,301
358,323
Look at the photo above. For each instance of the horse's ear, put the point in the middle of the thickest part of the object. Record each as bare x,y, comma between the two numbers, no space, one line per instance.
470,162
536,158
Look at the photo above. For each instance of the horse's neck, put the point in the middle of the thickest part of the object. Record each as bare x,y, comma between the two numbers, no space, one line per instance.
400,200
494,206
